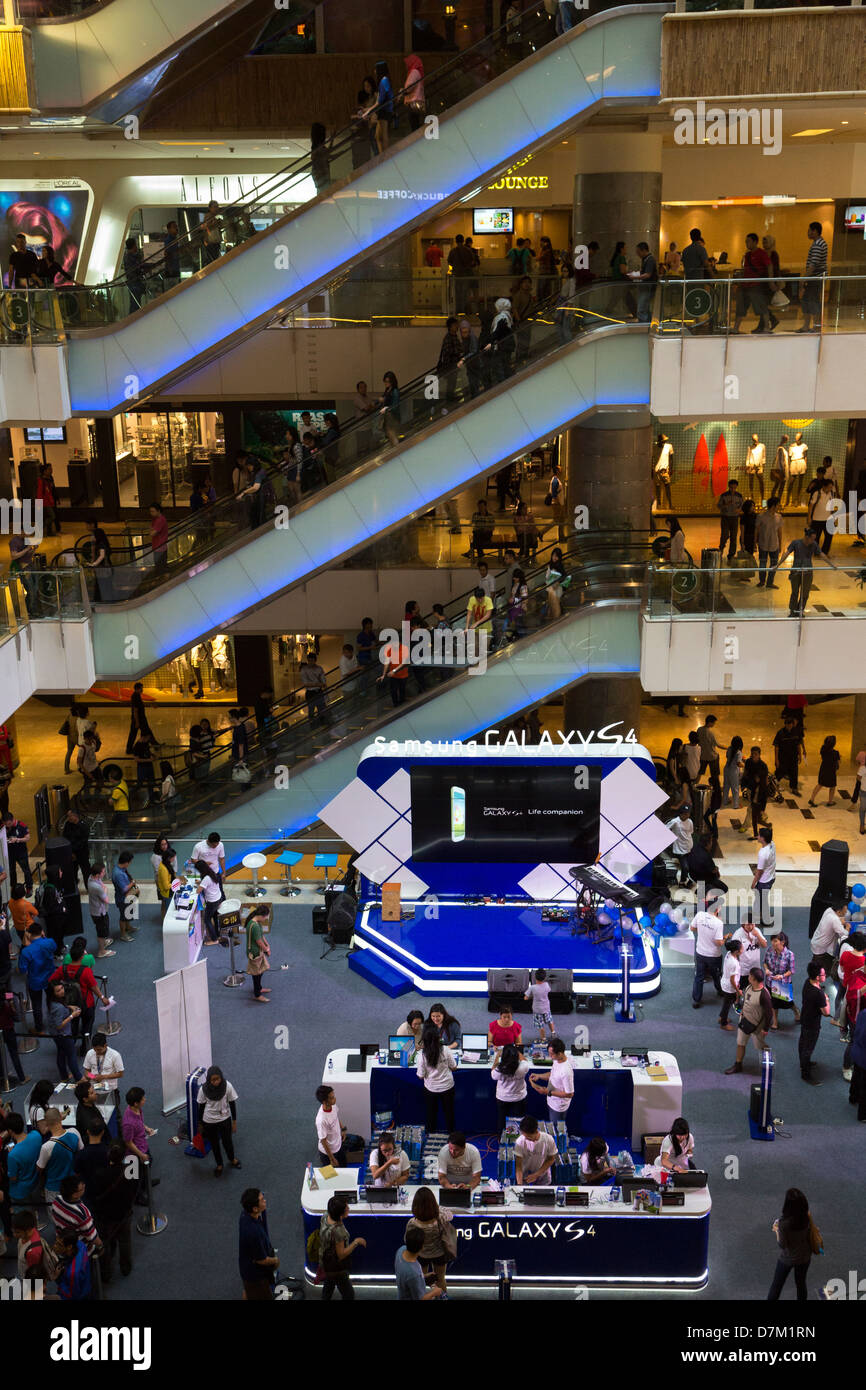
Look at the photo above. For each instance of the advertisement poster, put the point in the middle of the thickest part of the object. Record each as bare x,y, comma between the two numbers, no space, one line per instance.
48,216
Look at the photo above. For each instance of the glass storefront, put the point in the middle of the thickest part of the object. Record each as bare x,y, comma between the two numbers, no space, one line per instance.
707,453
206,672
161,454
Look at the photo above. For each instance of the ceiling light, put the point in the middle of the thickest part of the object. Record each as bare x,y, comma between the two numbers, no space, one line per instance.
192,142
826,130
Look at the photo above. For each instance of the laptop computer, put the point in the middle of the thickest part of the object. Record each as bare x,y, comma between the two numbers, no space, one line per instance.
473,1049
455,1197
383,1196
397,1045
493,1197
629,1186
350,1194
695,1177
369,1049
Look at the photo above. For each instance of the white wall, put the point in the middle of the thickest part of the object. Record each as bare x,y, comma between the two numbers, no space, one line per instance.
337,600
745,377
45,656
34,388
749,656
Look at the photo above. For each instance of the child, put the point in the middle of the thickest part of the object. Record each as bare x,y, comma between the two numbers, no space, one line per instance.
22,912
730,980
539,993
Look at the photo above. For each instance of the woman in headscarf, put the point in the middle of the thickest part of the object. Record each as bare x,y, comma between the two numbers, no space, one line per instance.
500,346
413,91
218,1117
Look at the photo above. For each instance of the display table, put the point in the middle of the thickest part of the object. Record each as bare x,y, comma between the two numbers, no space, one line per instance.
182,933
605,1245
612,1100
64,1095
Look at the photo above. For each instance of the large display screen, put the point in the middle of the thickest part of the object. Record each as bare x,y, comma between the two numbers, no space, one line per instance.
488,221
463,813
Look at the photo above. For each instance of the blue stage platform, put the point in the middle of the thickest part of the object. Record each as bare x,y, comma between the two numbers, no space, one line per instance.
448,948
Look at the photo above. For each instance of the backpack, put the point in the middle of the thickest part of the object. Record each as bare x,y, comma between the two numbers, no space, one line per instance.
314,1246
72,993
74,1282
45,901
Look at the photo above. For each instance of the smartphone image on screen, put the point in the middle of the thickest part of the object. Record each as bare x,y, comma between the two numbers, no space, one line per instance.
458,814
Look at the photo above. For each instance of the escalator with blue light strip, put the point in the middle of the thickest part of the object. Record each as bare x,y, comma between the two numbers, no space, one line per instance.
603,367
612,59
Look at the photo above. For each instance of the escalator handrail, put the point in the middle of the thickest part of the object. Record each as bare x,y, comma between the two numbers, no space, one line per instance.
223,509
339,143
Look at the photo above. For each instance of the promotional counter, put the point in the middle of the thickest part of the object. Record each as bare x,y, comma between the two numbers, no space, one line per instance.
613,1100
182,935
604,1245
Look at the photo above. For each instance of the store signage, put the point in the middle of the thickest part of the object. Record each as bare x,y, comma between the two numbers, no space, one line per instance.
511,180
512,740
525,1230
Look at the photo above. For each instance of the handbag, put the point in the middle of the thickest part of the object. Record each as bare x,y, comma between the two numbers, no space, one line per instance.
816,1240
448,1237
241,773
780,300
548,501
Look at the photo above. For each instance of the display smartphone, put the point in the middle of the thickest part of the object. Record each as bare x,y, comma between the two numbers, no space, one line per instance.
458,814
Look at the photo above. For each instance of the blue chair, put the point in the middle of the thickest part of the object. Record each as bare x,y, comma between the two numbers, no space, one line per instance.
326,862
289,858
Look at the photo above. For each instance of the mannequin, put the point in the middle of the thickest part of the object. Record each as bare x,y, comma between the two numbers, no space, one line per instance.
797,468
756,457
662,471
779,471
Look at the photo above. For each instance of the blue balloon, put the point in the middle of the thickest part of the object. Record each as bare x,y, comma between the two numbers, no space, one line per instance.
858,891
645,921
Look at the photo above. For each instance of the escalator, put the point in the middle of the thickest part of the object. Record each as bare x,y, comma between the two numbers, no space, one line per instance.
225,564
613,58
80,60
302,757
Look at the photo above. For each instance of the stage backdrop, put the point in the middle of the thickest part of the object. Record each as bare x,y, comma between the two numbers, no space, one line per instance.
451,819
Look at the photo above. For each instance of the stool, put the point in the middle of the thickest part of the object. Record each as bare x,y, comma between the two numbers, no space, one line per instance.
289,858
254,862
326,862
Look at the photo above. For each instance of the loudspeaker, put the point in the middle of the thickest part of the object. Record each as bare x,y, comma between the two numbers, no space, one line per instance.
755,1101
341,918
58,854
330,896
832,881
341,933
507,981
320,920
589,1003
560,1004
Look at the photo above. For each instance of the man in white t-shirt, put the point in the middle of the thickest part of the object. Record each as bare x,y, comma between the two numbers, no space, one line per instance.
558,1085
212,852
329,1131
730,980
764,877
534,1153
832,929
709,931
683,829
103,1064
754,945
459,1162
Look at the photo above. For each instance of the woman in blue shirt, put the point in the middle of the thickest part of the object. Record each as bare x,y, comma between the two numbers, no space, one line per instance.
384,105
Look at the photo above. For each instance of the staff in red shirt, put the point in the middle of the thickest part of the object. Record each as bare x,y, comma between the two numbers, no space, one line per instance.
504,1029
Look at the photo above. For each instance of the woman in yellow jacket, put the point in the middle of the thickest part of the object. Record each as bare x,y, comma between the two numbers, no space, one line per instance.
164,876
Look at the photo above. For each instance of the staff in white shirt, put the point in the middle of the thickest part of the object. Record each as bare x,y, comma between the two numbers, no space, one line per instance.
831,930
212,852
765,876
683,830
102,1063
709,931
559,1085
754,942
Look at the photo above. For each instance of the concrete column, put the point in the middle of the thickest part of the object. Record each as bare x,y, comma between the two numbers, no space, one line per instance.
607,464
601,701
617,192
858,726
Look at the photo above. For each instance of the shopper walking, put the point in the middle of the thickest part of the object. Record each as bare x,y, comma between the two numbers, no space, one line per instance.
336,1248
138,723
436,1063
97,901
768,534
788,744
779,966
730,981
217,1117
257,1263
709,932
764,876
828,771
17,837
797,1236
756,1018
754,779
258,950
732,772
814,1005
440,1238
682,827
36,963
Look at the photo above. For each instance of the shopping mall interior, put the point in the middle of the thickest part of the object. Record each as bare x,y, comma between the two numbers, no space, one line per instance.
391,491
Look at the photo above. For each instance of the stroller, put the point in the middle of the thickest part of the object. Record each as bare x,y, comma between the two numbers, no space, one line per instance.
774,791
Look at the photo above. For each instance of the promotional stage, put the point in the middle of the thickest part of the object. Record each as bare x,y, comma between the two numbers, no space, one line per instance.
450,948
503,856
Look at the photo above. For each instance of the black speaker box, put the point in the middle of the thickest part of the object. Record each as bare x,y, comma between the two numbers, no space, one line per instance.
832,881
330,896
560,1004
320,920
755,1102
341,933
589,1003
